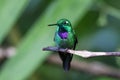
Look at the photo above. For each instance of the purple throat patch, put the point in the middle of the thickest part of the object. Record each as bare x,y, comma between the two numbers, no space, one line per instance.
63,35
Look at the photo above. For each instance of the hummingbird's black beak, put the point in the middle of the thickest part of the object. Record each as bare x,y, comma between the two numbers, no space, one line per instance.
52,24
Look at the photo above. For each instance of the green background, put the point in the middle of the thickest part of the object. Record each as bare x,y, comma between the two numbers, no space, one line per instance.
23,24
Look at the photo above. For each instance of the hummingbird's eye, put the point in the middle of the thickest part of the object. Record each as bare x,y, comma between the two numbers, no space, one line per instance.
65,22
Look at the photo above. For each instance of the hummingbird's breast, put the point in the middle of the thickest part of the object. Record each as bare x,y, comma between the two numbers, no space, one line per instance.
64,40
63,35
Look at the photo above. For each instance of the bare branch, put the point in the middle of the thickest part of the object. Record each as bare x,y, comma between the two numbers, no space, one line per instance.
93,68
84,53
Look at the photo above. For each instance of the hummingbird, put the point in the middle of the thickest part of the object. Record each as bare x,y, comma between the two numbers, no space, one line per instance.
65,38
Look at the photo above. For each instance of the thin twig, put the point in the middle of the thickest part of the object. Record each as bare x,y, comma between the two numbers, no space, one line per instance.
93,68
84,53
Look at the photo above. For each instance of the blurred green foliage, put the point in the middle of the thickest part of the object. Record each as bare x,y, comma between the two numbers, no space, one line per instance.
23,23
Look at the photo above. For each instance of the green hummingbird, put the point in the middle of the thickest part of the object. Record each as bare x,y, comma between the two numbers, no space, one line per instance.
65,38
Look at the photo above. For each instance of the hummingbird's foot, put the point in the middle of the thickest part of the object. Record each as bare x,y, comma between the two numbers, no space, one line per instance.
66,49
62,49
58,48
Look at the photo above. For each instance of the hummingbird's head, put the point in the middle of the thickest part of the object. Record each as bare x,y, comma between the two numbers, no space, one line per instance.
64,25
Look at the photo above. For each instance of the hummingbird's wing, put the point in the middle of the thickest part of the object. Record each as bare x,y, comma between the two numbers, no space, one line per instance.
76,41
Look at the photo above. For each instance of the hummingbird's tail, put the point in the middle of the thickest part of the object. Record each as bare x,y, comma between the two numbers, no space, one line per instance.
66,58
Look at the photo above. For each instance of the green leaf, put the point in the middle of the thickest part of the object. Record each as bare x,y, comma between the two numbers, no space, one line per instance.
29,54
10,10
